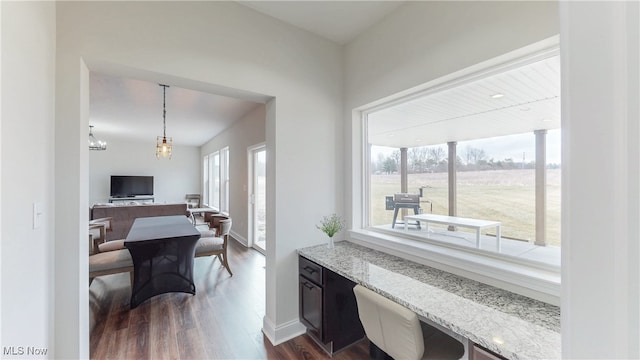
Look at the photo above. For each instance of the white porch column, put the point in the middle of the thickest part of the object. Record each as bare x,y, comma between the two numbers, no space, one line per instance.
453,191
404,175
541,187
403,171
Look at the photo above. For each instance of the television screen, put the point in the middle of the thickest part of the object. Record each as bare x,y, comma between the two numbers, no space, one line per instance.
127,186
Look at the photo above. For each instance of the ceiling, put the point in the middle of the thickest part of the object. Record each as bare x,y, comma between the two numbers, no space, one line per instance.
129,109
472,110
338,21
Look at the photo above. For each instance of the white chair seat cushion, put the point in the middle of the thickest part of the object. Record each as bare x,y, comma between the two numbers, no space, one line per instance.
209,244
110,260
111,245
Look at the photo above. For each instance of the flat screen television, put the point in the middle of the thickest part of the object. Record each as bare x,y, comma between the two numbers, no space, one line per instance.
129,186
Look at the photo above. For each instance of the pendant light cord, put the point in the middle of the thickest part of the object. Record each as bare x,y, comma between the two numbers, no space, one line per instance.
164,110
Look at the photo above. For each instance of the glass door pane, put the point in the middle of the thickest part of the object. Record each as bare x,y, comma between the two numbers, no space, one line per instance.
259,198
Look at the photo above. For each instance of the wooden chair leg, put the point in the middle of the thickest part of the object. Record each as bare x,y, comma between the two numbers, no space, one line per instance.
131,279
226,264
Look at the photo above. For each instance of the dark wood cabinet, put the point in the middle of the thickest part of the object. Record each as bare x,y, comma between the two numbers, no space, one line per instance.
477,352
311,306
328,307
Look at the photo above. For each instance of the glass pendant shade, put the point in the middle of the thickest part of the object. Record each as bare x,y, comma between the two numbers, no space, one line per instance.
95,144
164,146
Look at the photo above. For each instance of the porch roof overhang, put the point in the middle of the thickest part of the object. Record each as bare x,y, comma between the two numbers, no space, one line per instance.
519,100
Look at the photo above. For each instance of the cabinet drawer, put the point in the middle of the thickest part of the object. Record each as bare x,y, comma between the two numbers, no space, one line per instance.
311,296
310,270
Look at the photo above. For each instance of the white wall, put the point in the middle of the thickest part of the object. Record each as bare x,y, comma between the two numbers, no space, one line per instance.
600,56
245,132
220,43
28,83
422,41
172,179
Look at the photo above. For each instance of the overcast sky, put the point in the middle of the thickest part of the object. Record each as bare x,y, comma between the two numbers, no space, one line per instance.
504,147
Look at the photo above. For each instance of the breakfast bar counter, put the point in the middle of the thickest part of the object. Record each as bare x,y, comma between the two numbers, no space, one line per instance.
511,325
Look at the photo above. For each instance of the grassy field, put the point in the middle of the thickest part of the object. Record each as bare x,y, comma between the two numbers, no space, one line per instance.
503,195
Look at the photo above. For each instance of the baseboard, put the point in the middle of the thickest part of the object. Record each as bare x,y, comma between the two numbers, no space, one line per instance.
282,333
242,240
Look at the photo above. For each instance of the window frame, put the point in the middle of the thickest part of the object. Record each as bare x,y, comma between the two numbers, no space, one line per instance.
534,280
205,179
224,179
216,179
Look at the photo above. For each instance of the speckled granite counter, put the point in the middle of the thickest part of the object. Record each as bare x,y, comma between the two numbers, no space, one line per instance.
512,325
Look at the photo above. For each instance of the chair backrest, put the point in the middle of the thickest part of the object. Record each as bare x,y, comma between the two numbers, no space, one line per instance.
214,220
106,221
97,235
98,229
224,227
392,327
193,200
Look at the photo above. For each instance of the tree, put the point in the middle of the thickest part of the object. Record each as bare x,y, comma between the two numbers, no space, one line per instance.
377,164
395,155
389,165
417,158
436,156
475,156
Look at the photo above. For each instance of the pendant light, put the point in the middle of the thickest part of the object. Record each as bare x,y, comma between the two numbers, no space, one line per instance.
95,144
164,144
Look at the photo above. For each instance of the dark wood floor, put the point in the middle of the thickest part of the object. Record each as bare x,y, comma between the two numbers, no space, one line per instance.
222,321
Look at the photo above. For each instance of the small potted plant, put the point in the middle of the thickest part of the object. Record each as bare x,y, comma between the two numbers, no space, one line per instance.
331,225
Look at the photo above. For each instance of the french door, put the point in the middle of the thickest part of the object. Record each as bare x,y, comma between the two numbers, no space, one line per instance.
257,197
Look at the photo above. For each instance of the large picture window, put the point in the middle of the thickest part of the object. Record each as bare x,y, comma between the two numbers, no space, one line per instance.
487,148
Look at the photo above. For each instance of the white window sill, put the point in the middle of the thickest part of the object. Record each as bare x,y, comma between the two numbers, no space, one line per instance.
507,272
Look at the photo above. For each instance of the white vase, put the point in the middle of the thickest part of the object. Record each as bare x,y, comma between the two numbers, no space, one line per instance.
330,244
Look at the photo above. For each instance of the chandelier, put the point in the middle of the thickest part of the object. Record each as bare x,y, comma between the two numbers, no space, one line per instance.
95,144
164,144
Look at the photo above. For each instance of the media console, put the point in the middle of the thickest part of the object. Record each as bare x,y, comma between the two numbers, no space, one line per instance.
141,199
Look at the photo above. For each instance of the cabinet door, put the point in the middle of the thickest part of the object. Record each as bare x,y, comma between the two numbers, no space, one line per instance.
342,324
311,306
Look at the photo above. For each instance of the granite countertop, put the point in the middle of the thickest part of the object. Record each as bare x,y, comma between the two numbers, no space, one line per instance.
514,326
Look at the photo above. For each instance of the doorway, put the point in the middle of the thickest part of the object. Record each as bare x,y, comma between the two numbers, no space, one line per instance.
257,197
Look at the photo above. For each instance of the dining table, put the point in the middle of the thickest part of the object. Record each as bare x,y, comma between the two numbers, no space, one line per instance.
162,249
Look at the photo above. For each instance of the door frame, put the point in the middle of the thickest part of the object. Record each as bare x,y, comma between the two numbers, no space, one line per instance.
251,150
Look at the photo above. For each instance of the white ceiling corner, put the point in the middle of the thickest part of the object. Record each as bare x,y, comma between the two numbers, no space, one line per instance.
338,21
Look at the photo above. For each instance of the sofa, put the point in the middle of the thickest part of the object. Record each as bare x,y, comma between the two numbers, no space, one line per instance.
122,216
